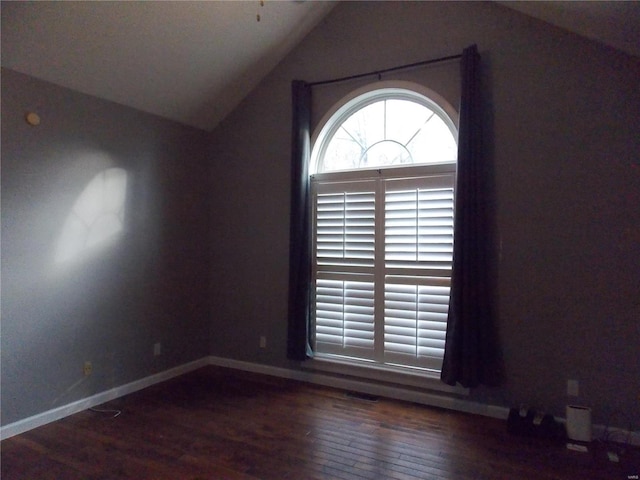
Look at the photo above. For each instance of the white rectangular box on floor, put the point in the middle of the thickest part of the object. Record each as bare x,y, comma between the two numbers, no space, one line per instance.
579,423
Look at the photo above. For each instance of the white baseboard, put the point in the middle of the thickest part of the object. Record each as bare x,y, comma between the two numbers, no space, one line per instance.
433,399
422,397
49,416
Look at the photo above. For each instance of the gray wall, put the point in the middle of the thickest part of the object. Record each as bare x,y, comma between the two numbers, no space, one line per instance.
563,140
112,306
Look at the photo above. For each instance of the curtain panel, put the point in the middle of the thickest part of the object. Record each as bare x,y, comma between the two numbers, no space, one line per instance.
469,353
298,338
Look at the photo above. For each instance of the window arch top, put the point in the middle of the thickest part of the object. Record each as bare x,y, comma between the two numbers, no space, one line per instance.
386,127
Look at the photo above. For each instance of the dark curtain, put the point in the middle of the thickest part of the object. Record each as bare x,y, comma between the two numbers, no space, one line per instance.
298,345
469,355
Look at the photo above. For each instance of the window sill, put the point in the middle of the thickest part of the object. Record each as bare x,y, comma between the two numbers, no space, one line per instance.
361,370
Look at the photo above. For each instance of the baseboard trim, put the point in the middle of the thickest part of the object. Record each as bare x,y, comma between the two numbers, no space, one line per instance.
433,399
58,413
361,386
398,393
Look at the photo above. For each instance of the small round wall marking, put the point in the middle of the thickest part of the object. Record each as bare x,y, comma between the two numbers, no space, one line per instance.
33,119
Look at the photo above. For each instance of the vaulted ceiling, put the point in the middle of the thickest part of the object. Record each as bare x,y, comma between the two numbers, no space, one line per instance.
193,62
189,61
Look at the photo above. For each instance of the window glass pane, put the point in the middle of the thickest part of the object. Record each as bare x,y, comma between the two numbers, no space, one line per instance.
434,143
366,126
389,132
343,153
405,119
386,153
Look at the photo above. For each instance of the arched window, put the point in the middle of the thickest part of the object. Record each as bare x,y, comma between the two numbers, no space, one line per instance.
382,185
385,127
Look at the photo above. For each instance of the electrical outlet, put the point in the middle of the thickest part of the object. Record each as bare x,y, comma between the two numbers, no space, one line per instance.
157,349
573,388
263,341
88,368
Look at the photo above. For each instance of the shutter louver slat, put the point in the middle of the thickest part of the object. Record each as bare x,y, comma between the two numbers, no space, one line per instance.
344,317
345,228
419,228
415,322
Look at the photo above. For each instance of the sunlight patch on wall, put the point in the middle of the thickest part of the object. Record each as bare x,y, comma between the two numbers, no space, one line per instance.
97,216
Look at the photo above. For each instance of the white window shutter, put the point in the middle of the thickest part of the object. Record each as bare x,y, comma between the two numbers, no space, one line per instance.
344,281
409,271
345,228
419,223
418,255
344,316
415,321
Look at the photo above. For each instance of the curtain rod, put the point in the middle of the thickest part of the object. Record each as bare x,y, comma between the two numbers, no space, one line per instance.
387,70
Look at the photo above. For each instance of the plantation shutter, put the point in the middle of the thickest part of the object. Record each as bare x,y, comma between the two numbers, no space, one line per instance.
415,323
345,224
389,239
344,316
419,223
418,253
345,251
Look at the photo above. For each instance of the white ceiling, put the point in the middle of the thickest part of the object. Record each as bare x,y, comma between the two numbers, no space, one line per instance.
189,61
193,62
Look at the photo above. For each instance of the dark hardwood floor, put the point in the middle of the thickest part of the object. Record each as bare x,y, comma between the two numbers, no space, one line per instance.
222,424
